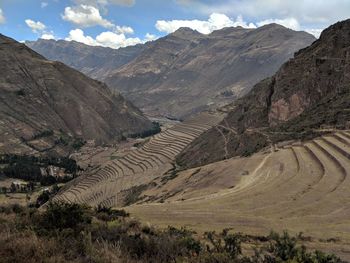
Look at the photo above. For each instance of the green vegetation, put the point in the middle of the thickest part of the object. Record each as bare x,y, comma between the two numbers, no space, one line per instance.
20,92
42,134
109,214
172,174
78,143
29,168
75,233
132,195
67,140
154,130
46,195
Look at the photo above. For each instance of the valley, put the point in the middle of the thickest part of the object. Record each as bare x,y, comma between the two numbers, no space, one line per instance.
105,185
222,141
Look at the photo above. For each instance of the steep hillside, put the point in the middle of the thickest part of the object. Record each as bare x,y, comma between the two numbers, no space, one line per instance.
309,93
95,62
186,72
46,105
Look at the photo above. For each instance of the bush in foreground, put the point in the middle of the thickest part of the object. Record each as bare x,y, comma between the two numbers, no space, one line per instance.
74,233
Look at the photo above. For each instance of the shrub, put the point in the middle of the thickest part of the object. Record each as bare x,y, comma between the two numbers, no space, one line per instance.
42,198
46,195
283,247
42,134
233,245
154,130
59,216
133,194
65,233
78,143
109,214
20,92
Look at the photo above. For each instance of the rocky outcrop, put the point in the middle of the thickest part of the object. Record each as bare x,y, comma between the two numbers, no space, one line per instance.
47,106
283,109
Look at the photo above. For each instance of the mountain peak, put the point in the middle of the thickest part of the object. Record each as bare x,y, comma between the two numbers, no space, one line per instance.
185,32
273,26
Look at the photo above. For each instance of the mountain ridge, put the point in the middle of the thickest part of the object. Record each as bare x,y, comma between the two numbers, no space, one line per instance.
186,72
94,61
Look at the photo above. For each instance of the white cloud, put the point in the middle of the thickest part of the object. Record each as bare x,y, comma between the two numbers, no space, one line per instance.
106,39
124,30
150,37
40,28
106,2
47,36
216,21
315,32
78,35
2,17
85,16
44,4
35,26
291,23
121,2
309,13
113,40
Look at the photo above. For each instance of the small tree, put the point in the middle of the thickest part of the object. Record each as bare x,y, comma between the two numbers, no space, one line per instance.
60,215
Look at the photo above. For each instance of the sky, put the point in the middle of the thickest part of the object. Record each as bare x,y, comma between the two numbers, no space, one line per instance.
120,23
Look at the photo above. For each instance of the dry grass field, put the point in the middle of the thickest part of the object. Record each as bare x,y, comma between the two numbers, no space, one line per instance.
301,188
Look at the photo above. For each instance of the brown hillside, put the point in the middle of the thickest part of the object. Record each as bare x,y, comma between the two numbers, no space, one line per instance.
186,72
46,105
94,61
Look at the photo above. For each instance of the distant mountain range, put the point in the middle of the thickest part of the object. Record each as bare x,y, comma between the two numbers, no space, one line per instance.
184,72
309,95
96,62
46,106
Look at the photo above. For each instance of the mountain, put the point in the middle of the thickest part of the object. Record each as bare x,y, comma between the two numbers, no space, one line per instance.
187,72
47,106
309,95
95,62
184,72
